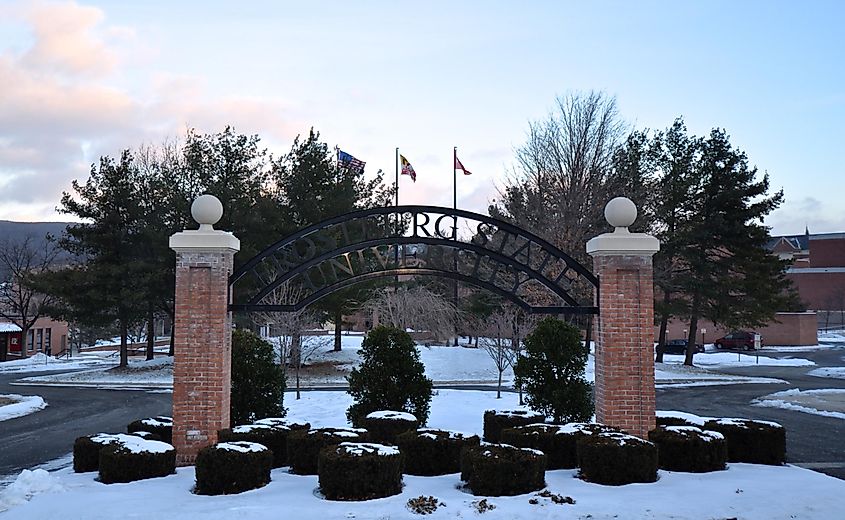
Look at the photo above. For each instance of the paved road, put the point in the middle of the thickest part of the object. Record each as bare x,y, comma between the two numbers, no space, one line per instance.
812,441
71,412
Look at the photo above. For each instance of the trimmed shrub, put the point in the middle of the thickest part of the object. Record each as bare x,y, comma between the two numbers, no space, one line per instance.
258,382
616,459
149,436
160,425
433,452
757,442
552,372
274,438
679,419
502,470
384,425
390,377
360,471
129,460
291,424
86,451
496,420
690,449
559,443
232,467
304,446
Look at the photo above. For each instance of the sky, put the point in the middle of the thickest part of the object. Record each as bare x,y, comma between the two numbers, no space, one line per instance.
79,80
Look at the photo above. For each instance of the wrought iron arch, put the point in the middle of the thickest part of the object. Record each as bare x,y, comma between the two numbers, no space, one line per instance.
416,240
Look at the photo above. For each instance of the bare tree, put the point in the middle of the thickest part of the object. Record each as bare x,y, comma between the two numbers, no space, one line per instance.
20,302
417,308
286,330
501,336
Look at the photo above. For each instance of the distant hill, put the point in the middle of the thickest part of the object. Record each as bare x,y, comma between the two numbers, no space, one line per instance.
15,231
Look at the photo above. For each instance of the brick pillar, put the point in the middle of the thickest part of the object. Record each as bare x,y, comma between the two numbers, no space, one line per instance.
202,365
624,354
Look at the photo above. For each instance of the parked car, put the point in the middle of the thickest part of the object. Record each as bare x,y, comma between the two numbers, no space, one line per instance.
679,346
738,339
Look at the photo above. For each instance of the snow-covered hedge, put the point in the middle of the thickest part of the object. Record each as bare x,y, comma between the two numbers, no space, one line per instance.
292,424
360,471
496,420
756,442
383,426
559,443
133,458
616,459
304,446
688,448
86,450
275,438
433,452
160,425
232,467
503,470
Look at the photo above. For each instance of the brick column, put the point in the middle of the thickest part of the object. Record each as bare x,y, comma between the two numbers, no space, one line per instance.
624,353
202,365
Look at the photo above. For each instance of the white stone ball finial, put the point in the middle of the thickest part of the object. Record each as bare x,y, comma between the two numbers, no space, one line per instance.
620,213
207,211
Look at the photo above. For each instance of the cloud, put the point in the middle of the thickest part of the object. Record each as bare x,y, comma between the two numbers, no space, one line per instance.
817,216
62,106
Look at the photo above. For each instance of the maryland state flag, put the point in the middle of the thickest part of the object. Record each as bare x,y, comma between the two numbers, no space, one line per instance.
407,169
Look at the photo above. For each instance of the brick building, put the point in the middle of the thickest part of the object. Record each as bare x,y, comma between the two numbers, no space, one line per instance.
818,271
46,336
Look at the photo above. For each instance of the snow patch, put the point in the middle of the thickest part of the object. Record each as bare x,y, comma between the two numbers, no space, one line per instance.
28,484
241,447
249,428
22,405
367,448
392,415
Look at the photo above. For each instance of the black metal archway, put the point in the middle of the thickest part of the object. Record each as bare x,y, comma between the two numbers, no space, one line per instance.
412,241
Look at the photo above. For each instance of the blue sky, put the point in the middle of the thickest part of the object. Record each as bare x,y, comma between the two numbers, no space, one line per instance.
91,78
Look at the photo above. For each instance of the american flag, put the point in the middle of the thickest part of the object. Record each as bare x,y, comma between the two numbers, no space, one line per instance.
345,159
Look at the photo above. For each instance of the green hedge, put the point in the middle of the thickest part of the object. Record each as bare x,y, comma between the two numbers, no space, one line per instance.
679,419
86,450
291,424
383,426
433,452
360,471
502,470
496,420
616,459
559,443
690,449
232,467
160,425
128,461
304,446
756,442
274,438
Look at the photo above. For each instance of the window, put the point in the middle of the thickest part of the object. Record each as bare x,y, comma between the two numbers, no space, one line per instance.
30,335
48,339
39,339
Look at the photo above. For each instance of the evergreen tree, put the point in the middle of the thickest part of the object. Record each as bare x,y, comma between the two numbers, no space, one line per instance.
258,381
552,372
390,377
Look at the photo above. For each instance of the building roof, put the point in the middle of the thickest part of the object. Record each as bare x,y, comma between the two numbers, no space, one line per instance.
9,327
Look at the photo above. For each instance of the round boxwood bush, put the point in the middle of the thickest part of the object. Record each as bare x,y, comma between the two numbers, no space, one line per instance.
433,452
690,449
558,442
304,446
390,377
273,437
232,467
756,442
360,471
160,425
384,425
291,424
616,459
133,458
496,420
502,470
86,450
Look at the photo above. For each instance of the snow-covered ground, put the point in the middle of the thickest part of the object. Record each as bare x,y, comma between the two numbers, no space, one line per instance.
41,363
832,372
444,364
20,405
829,402
742,491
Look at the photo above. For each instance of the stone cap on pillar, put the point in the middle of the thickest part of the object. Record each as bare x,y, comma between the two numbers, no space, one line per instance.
207,211
621,213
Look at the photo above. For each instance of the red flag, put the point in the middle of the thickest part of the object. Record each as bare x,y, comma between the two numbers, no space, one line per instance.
459,166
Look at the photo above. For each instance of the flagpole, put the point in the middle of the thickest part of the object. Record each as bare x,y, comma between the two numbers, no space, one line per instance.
455,234
398,217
